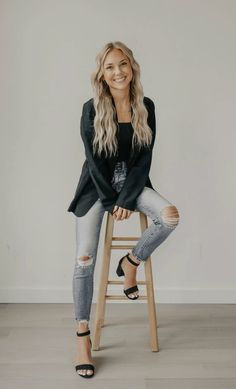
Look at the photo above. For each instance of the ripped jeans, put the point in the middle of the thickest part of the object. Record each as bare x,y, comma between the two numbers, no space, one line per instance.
151,203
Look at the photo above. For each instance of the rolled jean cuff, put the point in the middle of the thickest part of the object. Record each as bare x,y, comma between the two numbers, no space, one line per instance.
82,321
135,255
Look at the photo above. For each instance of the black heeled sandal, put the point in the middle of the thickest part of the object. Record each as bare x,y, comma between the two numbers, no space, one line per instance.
120,272
84,366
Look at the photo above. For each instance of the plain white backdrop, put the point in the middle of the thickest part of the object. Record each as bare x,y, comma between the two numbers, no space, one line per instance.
186,51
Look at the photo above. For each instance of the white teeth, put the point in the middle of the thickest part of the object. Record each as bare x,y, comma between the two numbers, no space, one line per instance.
120,79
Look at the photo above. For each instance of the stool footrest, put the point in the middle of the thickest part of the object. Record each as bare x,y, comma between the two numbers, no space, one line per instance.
120,297
122,246
126,238
114,282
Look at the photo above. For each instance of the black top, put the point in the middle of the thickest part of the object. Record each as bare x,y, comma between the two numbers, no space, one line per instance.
124,136
96,174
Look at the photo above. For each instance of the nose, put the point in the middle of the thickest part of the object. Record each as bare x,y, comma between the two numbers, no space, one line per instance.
117,72
118,75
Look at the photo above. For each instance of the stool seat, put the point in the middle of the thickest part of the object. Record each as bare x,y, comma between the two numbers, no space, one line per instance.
105,281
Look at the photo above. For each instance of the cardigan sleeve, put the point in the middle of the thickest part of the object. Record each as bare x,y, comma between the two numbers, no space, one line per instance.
98,167
138,175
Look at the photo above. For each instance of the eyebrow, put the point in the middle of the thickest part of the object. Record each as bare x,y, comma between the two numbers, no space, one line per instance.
124,59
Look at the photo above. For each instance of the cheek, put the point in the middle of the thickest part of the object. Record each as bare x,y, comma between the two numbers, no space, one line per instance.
130,72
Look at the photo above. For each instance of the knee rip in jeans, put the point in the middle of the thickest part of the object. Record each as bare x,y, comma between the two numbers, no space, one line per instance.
84,261
170,216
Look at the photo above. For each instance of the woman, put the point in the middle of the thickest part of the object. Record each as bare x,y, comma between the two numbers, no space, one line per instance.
118,128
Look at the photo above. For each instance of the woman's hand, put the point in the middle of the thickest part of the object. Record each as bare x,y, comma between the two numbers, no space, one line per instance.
120,213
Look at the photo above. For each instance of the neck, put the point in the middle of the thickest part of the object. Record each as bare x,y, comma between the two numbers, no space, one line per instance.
121,97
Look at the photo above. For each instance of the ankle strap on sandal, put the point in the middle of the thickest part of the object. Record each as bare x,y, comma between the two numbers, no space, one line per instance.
131,261
83,333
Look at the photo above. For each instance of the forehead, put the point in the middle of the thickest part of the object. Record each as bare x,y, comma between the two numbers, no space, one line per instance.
114,56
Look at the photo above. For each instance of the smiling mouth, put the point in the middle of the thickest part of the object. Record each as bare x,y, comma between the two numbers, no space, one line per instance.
120,79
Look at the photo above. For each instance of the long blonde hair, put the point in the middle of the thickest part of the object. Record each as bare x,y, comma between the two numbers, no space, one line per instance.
105,123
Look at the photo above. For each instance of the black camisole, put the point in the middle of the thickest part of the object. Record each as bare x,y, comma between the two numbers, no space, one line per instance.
124,137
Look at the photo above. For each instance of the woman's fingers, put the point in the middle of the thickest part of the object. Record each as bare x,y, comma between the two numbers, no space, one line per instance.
124,214
121,213
115,208
116,212
129,214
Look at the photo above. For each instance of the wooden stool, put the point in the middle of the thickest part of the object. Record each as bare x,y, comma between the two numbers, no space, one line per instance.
102,296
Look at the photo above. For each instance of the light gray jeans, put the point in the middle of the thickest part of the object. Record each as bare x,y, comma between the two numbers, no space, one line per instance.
150,202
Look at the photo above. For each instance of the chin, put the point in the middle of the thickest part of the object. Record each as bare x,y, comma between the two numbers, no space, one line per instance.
124,86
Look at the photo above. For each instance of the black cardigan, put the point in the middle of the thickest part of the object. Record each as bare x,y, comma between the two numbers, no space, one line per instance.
97,172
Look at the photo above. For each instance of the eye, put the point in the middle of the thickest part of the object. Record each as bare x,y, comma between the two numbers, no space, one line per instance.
109,67
124,63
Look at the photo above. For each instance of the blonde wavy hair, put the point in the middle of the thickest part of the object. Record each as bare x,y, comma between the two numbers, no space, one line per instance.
105,123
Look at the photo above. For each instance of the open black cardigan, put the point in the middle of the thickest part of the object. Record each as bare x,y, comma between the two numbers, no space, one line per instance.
97,172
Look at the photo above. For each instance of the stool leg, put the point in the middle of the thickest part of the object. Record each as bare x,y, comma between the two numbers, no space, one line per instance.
150,292
101,298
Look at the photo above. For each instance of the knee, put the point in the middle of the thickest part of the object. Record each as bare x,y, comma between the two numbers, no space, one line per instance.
170,216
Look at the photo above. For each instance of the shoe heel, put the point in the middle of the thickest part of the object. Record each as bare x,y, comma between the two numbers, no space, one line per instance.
119,270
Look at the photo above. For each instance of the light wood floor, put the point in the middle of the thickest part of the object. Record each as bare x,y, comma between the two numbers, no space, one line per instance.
197,347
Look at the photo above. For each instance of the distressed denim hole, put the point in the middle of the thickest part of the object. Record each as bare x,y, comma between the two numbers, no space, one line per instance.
170,216
84,261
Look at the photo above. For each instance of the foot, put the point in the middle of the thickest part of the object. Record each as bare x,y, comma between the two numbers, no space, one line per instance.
130,274
83,354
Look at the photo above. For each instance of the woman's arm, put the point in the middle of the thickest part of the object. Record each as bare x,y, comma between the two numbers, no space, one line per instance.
98,168
138,175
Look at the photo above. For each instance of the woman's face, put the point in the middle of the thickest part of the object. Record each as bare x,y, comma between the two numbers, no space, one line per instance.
117,71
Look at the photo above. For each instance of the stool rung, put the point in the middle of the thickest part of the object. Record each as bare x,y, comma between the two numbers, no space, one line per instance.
122,246
115,282
125,238
119,297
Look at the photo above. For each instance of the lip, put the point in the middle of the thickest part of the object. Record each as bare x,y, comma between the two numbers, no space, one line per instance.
120,79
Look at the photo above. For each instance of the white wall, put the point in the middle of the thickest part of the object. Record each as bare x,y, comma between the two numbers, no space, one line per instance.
186,50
